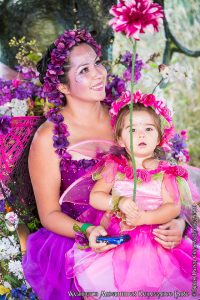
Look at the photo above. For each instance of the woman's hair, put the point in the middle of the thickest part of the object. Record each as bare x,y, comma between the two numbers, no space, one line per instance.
119,125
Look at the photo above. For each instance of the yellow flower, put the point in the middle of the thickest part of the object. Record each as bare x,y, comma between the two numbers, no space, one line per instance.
4,290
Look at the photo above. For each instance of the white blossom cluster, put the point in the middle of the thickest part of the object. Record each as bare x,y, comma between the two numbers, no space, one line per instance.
8,248
15,108
15,267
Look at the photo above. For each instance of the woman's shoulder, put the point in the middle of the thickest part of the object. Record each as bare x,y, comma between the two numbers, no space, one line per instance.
43,136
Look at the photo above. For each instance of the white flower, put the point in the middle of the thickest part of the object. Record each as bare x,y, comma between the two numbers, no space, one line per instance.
177,72
11,220
164,71
15,267
7,285
181,157
5,109
8,248
19,107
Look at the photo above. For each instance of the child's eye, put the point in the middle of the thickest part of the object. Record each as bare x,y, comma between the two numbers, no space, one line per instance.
133,130
149,129
85,70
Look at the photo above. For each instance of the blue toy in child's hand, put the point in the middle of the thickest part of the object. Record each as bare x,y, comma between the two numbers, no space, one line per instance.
116,240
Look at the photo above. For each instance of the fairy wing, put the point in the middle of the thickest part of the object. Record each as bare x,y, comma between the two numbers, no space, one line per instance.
78,191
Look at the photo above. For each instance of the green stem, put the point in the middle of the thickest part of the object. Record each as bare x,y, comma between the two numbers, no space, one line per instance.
131,118
161,80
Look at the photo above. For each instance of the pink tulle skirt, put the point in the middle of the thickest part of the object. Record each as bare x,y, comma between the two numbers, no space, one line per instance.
138,269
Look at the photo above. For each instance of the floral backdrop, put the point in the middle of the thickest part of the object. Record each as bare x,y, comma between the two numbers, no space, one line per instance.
175,81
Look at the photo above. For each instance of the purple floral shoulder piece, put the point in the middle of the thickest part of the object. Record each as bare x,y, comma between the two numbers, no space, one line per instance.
60,143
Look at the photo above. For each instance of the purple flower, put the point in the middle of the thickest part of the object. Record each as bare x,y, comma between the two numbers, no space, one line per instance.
5,124
114,88
61,129
64,154
179,148
2,205
81,239
126,59
54,116
60,141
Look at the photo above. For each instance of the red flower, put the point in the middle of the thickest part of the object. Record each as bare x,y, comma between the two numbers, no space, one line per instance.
177,171
133,16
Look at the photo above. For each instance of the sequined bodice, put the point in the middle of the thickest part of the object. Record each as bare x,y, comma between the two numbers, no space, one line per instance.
72,170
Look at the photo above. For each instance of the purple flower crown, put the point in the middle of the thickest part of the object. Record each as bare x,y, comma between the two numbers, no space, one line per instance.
58,56
148,100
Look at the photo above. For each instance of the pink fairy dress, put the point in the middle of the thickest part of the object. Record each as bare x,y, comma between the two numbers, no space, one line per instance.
141,265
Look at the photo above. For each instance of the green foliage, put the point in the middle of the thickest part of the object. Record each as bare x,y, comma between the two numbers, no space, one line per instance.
27,51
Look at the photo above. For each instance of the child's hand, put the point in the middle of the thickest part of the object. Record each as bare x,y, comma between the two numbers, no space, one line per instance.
127,206
136,219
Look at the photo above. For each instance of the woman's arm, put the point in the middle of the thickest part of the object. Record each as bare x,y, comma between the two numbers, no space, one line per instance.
45,177
46,180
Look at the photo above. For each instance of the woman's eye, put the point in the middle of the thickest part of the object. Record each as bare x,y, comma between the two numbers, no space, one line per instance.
133,129
98,62
85,70
149,129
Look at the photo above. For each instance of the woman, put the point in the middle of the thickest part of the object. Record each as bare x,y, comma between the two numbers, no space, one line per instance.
71,70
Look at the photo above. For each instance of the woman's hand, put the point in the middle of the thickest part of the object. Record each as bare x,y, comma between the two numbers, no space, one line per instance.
93,232
169,235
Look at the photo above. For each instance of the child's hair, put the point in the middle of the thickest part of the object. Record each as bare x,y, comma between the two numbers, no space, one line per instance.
138,107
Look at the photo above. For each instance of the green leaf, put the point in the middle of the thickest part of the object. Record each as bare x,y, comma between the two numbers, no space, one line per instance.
96,176
13,281
83,247
33,57
157,176
76,228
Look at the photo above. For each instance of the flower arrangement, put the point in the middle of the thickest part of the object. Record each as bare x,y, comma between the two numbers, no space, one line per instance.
12,282
20,97
115,84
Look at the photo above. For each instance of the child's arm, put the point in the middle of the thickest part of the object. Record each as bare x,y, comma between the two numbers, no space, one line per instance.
100,198
100,194
165,213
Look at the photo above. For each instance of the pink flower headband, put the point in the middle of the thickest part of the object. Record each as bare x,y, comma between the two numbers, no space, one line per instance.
148,100
58,56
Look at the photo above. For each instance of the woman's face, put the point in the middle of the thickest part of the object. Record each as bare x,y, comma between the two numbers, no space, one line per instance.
87,76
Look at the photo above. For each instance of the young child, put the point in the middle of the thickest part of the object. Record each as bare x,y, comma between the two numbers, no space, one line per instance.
140,267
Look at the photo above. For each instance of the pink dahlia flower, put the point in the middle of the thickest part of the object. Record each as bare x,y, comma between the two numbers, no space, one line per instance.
133,16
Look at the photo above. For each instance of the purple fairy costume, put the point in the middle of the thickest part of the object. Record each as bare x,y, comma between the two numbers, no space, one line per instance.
44,261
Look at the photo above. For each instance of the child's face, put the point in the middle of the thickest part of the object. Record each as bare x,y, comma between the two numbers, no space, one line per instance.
145,134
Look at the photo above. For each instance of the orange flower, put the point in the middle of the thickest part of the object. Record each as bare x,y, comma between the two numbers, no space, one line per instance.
8,208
